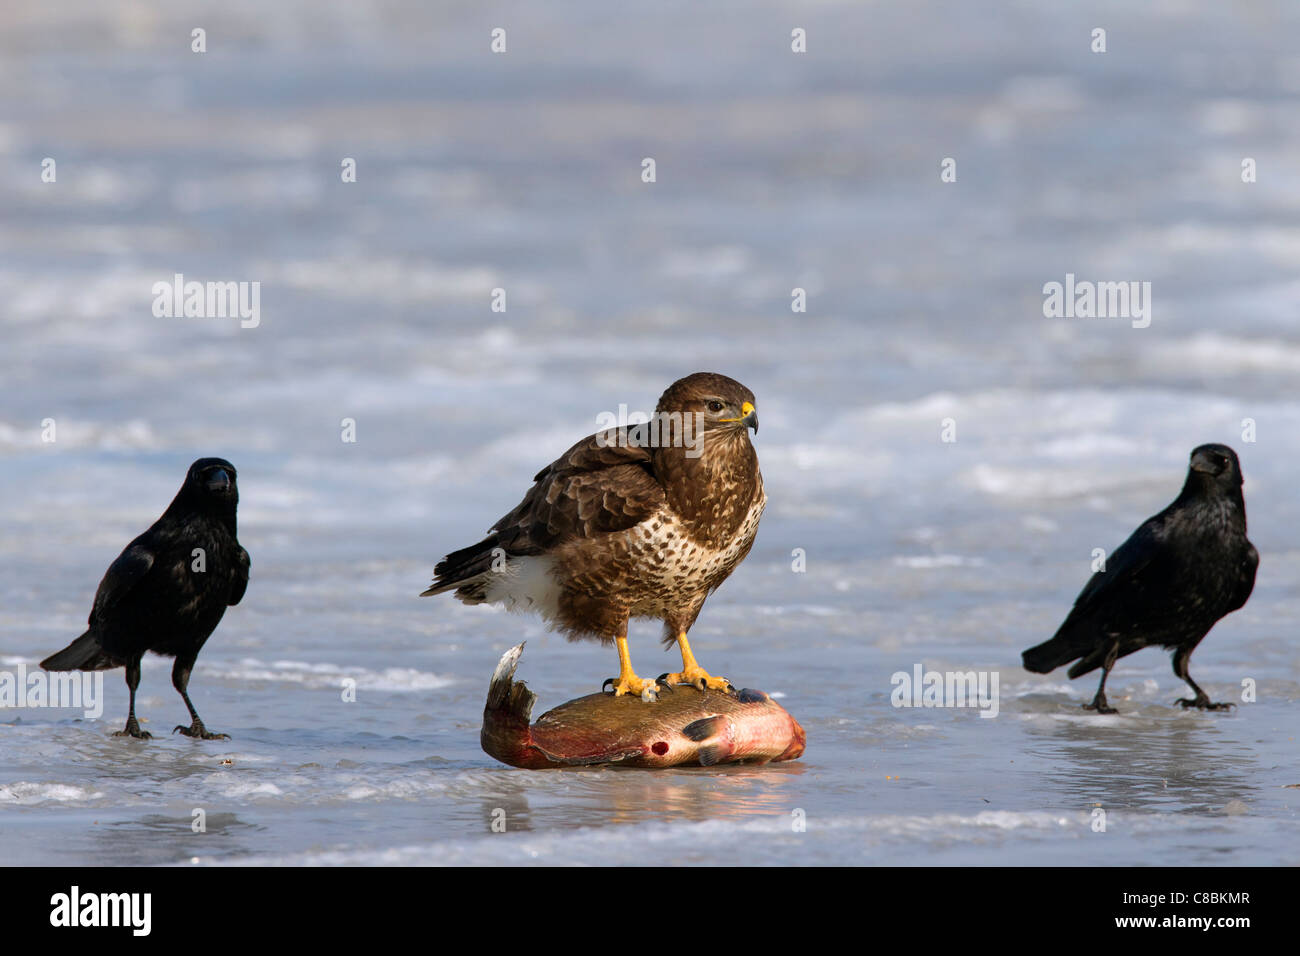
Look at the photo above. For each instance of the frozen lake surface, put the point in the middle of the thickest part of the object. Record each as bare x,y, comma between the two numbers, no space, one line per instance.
775,171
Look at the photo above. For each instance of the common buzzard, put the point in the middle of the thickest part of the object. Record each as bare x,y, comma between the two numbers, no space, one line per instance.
636,521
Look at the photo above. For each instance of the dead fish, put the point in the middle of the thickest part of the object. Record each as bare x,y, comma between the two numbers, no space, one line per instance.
684,727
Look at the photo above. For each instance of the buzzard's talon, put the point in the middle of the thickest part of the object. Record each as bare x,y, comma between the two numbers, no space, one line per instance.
700,679
627,682
1204,703
695,675
632,685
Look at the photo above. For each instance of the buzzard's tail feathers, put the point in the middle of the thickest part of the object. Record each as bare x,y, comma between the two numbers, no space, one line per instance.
83,654
465,570
467,592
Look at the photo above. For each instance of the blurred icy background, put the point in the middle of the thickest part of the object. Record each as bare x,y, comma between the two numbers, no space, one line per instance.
775,170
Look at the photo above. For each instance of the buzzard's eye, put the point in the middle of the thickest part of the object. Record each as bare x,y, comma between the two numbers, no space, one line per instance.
716,406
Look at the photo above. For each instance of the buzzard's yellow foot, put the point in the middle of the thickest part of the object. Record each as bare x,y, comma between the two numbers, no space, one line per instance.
699,678
627,682
692,673
647,690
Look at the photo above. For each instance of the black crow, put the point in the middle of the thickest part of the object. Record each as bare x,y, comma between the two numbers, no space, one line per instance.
1168,584
167,591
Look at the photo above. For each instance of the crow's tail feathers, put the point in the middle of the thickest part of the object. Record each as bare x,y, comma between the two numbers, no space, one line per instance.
1048,656
83,654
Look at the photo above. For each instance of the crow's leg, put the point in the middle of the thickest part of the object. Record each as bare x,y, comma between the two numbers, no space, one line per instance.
1099,702
132,728
1182,662
181,681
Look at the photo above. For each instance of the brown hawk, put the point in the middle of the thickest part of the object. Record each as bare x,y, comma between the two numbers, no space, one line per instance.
638,521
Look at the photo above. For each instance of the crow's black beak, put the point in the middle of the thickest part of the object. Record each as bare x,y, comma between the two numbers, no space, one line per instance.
1206,463
218,481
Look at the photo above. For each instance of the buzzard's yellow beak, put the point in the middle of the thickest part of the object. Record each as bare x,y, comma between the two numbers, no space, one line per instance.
748,416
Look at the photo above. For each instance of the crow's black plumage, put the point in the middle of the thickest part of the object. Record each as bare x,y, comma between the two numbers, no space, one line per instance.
1168,584
168,590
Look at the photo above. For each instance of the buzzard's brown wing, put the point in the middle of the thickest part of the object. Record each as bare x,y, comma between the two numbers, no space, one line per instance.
598,486
591,489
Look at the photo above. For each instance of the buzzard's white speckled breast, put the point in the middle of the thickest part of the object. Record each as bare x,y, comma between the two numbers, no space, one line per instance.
671,566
